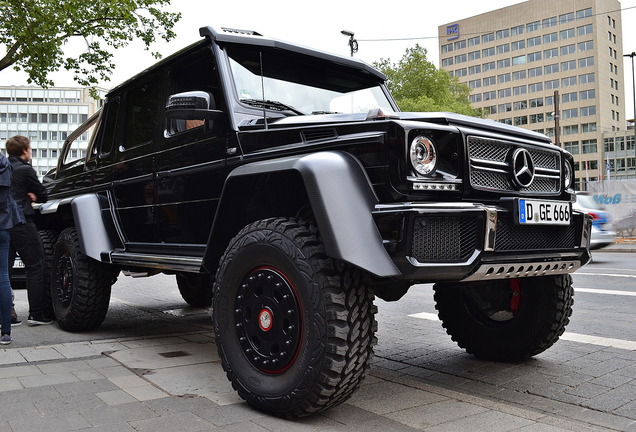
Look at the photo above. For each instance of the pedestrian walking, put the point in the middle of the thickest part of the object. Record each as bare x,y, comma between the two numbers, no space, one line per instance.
10,216
25,239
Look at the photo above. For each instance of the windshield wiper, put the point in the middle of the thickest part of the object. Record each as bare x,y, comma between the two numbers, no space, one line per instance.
273,105
324,112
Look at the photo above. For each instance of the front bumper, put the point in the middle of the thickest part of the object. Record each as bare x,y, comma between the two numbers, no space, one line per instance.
468,241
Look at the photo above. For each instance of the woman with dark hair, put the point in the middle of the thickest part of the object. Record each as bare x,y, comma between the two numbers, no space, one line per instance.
10,215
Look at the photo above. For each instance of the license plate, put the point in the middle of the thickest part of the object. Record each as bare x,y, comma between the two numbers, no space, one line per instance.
541,212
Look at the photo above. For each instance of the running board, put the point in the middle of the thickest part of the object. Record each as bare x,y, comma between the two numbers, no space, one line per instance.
519,270
163,262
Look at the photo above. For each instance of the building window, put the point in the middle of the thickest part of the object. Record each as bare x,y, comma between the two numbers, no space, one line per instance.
536,103
587,147
488,81
44,135
608,144
571,146
550,37
568,97
518,45
520,105
503,48
566,34
549,22
507,107
554,52
461,72
583,30
569,81
447,62
475,55
491,109
585,46
534,41
536,56
488,38
549,131
460,44
568,65
553,68
549,100
473,41
474,69
501,34
571,130
515,31
519,90
490,95
551,85
584,13
566,18
504,93
503,78
489,66
568,49
533,26
585,78
570,113
474,84
536,118
522,120
535,72
475,98
460,58
507,121
43,118
620,143
487,52
519,75
447,48
588,127
519,60
586,62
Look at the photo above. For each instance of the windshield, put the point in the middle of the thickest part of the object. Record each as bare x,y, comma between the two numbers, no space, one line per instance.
298,85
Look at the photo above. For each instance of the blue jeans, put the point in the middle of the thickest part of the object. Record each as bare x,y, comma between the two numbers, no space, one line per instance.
5,285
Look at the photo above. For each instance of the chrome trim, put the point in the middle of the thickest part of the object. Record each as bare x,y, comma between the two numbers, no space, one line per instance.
491,229
519,270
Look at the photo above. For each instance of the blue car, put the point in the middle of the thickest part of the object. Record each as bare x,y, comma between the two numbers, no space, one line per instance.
603,233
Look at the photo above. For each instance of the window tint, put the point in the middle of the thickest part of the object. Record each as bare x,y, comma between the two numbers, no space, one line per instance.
143,104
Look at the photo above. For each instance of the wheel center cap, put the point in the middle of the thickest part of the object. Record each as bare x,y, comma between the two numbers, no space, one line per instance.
265,320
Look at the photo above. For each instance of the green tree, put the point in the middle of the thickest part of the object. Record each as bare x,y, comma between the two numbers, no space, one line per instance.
417,85
34,32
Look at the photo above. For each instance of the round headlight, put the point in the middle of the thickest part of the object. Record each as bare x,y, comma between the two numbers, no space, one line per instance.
569,175
423,155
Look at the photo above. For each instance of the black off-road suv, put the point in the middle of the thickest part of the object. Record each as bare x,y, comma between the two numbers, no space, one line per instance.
283,186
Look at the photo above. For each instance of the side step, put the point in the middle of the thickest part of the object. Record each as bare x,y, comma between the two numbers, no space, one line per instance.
163,262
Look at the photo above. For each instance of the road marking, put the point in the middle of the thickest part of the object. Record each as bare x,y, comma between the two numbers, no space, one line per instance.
601,291
604,274
568,336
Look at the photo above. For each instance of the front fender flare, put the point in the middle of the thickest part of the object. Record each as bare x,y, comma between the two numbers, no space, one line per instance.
342,200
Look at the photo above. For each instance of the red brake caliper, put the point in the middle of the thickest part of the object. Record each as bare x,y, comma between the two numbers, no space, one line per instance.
516,296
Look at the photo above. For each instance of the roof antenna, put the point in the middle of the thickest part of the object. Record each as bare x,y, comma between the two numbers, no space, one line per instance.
263,89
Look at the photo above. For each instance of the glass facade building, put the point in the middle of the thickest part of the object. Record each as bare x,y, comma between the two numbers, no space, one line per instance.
47,117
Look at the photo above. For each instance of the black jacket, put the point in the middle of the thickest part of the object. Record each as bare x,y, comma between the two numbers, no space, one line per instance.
25,180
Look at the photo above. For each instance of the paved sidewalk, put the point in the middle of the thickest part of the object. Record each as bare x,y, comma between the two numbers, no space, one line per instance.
169,383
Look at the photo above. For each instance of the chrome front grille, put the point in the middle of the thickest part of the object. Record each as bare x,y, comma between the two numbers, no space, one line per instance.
490,162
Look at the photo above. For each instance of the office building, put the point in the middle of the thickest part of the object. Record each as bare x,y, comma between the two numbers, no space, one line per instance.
518,59
47,117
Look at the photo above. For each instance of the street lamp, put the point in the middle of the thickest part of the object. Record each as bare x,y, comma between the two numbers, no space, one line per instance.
352,42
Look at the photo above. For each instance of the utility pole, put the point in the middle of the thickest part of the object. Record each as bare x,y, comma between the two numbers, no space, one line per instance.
556,119
632,55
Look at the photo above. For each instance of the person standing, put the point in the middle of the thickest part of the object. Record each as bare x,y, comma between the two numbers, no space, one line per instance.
25,239
10,216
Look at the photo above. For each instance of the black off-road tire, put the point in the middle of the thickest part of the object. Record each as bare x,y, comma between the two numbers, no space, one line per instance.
80,286
280,266
195,289
48,239
544,310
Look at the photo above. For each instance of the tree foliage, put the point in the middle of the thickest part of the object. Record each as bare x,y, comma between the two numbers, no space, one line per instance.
418,86
33,34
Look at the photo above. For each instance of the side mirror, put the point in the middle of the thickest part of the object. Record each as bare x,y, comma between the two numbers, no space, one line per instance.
194,105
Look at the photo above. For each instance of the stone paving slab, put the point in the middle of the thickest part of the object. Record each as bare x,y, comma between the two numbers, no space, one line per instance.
170,383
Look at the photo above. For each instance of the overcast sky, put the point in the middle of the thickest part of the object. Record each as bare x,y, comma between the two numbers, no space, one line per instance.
318,25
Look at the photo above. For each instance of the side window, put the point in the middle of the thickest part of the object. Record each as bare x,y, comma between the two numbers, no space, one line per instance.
141,119
110,129
75,148
198,73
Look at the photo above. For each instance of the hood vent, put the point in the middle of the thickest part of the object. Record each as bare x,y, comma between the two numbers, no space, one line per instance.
318,134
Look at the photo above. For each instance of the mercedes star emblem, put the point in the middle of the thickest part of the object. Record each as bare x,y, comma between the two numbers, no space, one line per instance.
522,168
